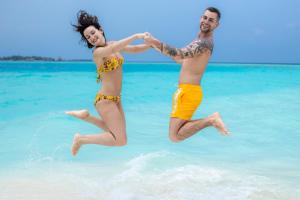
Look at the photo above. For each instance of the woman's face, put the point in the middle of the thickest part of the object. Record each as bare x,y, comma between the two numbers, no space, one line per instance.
94,36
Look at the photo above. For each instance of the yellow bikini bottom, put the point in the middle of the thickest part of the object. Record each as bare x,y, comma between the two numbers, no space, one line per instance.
100,97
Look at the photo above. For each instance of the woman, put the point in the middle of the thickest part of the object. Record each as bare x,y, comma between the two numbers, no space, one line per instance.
108,60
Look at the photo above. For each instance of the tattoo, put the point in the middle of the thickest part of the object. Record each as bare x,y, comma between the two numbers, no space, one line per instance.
197,47
170,50
161,46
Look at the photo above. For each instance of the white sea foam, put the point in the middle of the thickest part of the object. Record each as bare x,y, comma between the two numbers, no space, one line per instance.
135,179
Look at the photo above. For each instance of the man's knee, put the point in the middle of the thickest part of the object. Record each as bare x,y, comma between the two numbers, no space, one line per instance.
174,137
175,125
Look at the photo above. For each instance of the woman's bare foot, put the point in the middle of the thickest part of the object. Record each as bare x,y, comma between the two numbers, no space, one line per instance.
76,144
81,114
217,122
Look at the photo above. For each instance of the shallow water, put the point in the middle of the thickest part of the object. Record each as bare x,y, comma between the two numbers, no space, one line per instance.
260,160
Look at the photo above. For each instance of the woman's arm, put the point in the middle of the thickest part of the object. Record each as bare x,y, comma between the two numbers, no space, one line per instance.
136,48
116,46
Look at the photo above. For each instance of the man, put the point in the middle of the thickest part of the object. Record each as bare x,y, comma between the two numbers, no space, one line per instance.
194,59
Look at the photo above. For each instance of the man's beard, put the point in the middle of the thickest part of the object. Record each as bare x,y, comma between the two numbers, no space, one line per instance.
203,30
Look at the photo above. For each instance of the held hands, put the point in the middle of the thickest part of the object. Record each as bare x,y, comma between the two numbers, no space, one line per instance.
153,42
146,36
140,35
148,39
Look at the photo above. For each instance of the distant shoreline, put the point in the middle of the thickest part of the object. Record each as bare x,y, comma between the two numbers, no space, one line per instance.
50,59
40,58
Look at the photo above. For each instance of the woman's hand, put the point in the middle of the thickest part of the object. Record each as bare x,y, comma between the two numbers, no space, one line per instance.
141,35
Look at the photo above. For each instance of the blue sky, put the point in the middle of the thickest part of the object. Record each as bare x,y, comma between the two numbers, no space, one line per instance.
257,31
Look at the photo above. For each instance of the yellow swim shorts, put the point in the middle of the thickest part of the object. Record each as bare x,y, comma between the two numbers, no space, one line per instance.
186,99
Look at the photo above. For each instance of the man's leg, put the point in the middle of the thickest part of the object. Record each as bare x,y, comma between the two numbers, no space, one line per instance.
181,129
174,127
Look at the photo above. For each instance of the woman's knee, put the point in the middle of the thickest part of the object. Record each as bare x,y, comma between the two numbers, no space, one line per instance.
121,141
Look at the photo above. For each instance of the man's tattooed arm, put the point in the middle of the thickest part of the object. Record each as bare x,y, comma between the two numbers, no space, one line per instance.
195,48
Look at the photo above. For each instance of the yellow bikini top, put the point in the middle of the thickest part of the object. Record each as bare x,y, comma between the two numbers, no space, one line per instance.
108,65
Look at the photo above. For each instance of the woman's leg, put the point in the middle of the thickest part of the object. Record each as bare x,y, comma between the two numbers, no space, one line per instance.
122,112
85,116
113,119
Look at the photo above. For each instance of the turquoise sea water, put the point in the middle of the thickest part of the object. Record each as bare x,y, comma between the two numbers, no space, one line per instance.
260,160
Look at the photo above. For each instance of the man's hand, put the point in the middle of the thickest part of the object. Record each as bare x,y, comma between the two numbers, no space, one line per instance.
152,41
148,39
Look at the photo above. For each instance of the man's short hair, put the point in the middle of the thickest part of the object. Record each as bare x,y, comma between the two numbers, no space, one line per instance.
215,10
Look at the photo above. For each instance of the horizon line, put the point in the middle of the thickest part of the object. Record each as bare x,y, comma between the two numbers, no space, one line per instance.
60,59
147,62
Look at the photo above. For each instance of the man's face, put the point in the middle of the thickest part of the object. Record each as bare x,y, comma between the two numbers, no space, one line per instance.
209,21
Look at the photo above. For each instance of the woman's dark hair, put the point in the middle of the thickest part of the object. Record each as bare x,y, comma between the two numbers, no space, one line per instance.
85,20
215,10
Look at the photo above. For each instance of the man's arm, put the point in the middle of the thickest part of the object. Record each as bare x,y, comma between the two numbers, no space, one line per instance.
195,48
178,60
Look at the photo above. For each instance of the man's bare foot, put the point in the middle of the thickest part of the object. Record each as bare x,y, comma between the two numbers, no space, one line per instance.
76,144
217,122
81,114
